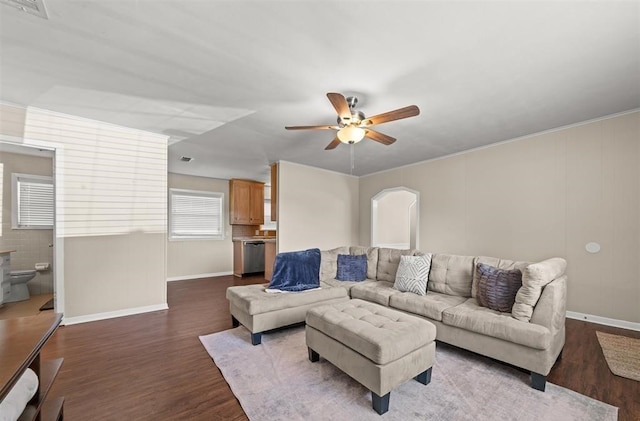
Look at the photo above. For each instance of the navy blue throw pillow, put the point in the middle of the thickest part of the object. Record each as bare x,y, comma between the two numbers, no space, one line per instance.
352,268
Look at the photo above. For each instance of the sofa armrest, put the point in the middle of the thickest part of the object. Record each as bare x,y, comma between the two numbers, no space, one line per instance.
551,309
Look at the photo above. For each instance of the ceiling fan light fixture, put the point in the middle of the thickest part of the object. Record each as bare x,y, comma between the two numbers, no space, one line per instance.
351,134
352,125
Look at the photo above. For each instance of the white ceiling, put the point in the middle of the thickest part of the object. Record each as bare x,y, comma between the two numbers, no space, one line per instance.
223,78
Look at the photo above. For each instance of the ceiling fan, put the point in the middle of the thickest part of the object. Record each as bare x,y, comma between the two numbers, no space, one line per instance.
353,126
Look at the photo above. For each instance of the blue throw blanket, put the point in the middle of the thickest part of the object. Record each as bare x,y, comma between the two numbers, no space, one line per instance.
296,271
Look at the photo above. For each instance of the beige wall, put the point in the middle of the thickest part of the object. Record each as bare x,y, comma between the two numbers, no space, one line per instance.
12,121
542,196
546,195
113,273
316,208
31,245
188,259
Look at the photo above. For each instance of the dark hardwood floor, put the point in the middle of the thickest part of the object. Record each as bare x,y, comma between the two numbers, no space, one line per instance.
153,367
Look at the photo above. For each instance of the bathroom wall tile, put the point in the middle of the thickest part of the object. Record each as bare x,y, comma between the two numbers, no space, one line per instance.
32,246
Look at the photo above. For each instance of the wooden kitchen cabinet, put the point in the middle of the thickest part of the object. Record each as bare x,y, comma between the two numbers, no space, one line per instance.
246,202
238,262
269,258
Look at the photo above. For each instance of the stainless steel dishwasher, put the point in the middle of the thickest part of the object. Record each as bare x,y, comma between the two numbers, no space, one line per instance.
253,255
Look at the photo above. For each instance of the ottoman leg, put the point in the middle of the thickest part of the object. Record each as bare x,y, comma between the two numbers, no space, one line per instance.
380,404
425,376
256,338
313,355
234,322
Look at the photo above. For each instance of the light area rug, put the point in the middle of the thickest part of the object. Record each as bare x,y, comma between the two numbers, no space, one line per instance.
276,381
622,354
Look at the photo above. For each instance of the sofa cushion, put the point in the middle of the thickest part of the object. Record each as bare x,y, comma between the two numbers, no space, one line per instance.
252,299
451,274
497,288
351,268
329,262
430,306
348,285
388,261
413,274
375,292
470,316
496,263
534,277
372,258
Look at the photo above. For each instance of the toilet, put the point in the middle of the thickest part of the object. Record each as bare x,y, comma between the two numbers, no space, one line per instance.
18,281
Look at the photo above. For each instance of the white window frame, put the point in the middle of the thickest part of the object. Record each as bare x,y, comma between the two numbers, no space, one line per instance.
17,178
196,193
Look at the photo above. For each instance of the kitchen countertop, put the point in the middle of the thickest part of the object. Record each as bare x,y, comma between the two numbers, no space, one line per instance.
255,238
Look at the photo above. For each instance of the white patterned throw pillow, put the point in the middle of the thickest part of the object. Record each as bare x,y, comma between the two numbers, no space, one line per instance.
413,274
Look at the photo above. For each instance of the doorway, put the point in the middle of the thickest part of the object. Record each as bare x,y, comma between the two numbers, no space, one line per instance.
395,218
28,170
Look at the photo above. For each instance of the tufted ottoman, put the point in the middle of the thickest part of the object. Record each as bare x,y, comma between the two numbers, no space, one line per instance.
379,347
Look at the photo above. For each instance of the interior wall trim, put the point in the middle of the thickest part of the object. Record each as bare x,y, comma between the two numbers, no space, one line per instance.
624,324
112,314
198,276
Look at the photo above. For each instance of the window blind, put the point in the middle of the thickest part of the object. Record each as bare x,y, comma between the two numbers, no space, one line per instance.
195,215
34,201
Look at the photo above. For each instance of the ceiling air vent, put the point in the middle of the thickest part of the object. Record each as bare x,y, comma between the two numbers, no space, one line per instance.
34,7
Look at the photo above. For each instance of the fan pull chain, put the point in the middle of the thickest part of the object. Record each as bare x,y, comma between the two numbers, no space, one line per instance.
353,161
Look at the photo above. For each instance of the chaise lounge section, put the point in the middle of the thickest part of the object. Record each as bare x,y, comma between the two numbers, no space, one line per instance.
260,311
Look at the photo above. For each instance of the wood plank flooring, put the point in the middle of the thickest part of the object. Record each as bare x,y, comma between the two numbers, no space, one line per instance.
153,367
30,307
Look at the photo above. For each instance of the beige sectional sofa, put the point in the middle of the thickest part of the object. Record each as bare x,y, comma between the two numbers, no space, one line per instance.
531,336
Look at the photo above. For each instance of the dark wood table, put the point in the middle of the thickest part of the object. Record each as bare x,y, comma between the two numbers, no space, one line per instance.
21,340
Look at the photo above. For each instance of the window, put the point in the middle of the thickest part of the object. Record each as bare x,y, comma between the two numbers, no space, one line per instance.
32,206
195,215
268,223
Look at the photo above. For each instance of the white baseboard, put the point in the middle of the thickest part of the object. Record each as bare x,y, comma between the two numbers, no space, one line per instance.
603,320
112,314
198,276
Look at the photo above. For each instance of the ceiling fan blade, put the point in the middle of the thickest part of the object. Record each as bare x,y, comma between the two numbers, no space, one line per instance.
335,142
398,114
339,102
311,127
379,137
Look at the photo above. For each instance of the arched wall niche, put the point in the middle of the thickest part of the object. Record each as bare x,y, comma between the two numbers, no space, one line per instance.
395,214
